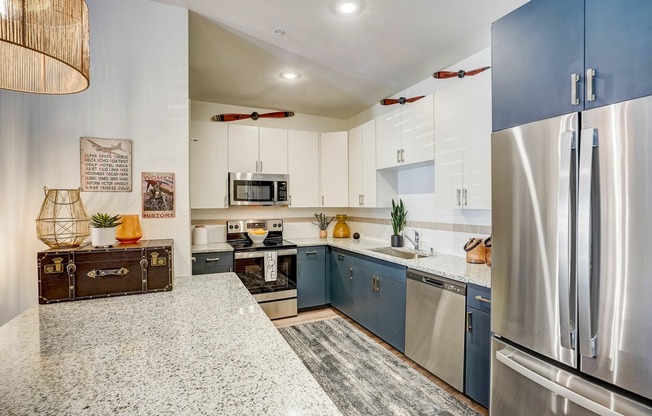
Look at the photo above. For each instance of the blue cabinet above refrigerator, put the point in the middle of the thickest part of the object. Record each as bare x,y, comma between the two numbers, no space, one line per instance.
544,52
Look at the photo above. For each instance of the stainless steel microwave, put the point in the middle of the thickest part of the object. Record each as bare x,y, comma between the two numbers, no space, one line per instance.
258,189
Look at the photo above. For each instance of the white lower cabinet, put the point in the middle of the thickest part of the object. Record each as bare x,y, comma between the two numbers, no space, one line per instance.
333,166
463,144
303,168
208,165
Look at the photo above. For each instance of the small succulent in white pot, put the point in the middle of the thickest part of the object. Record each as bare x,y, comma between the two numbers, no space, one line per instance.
103,229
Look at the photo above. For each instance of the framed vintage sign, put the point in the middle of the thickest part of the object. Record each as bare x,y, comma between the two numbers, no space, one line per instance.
158,194
105,165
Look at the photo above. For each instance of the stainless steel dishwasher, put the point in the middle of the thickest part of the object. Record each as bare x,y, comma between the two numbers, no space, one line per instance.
434,325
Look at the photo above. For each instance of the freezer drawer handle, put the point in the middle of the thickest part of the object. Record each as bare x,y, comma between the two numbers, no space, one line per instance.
565,392
104,273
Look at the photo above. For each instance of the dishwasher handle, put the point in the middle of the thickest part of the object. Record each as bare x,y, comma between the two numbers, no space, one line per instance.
431,281
437,281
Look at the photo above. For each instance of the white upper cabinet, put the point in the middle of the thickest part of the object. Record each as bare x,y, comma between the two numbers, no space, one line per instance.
257,149
303,168
367,187
273,150
333,163
208,164
463,144
406,135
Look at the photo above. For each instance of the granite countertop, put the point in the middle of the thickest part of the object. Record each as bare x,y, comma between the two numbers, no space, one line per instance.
210,248
205,348
452,267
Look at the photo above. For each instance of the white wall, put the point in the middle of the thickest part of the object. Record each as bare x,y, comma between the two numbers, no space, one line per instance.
138,91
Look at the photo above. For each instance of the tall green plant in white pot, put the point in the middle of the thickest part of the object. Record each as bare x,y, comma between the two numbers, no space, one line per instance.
103,229
398,216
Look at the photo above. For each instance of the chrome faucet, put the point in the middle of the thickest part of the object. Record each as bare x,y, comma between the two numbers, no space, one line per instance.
414,242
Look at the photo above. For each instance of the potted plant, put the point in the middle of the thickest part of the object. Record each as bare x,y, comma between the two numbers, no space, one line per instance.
103,229
323,222
399,215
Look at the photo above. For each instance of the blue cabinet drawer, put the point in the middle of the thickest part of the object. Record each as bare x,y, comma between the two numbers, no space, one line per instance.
213,262
478,297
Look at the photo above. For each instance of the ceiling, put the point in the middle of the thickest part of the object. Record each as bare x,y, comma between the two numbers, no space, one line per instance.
347,63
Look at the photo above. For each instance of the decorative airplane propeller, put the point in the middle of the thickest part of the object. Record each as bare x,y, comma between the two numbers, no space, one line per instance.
253,116
460,74
402,100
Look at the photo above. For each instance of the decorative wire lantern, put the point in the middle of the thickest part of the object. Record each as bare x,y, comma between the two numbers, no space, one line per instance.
62,221
44,46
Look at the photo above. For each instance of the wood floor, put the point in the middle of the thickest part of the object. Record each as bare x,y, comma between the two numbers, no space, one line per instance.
330,313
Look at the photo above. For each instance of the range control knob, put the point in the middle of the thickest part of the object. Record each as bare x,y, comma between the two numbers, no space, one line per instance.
237,226
230,227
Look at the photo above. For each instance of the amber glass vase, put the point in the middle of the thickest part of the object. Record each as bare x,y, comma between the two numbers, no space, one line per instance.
341,229
129,230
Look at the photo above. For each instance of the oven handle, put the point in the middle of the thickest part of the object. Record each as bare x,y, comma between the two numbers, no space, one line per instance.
258,254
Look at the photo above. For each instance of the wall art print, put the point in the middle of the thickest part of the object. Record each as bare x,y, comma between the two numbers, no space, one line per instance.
105,165
158,194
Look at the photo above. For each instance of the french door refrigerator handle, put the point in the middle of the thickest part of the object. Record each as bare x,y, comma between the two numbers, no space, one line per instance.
565,392
587,341
566,145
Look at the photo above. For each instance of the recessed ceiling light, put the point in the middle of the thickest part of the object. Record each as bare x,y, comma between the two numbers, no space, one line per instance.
290,75
348,7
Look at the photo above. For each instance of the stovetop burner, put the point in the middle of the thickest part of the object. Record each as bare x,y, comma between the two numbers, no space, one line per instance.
236,235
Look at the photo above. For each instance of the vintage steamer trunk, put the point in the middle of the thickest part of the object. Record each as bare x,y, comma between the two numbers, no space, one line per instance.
87,272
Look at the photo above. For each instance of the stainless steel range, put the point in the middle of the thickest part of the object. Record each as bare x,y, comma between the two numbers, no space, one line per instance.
268,269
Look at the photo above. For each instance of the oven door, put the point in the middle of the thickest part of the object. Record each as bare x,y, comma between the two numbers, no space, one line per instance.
268,274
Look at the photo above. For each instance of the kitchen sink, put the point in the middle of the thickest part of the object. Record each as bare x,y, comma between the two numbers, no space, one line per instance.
398,253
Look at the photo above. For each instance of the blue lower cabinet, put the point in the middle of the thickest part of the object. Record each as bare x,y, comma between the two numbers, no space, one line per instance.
371,292
311,276
478,344
341,287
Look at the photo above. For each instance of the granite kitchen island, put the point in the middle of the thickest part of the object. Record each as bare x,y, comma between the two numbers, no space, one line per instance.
205,348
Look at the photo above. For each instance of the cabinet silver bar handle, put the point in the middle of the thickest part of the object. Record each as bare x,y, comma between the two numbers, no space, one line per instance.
351,273
469,320
322,200
398,156
465,197
261,165
402,155
459,193
590,76
311,252
575,78
194,259
290,199
482,299
213,259
298,268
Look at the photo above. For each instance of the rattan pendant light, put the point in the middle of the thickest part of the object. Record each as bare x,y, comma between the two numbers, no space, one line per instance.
44,46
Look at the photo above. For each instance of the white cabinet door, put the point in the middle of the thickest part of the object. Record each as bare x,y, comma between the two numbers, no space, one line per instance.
355,167
417,137
273,150
463,144
208,164
368,161
449,145
303,168
334,172
388,139
243,148
477,149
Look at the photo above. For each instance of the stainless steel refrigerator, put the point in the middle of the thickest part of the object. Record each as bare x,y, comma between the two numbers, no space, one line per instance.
572,268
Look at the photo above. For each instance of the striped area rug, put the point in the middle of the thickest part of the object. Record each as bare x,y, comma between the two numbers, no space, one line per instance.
362,377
